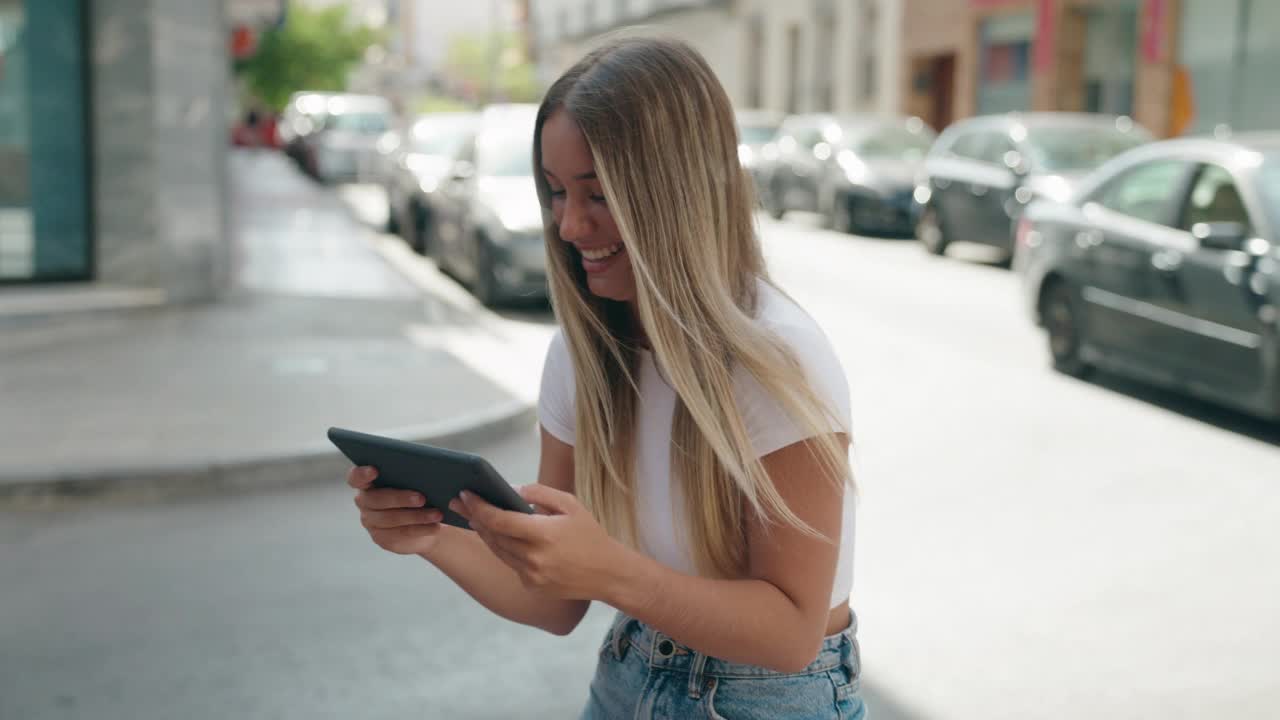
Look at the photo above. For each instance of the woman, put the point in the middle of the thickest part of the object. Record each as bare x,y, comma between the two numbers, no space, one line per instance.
694,422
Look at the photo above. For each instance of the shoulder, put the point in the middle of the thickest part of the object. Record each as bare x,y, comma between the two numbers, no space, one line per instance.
555,396
801,334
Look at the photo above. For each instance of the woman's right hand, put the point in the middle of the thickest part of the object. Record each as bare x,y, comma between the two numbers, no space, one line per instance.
398,520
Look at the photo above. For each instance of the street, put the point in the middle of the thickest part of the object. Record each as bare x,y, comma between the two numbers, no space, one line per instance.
1029,546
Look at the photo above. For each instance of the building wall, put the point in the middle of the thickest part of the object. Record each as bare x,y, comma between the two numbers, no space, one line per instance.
719,29
936,28
159,137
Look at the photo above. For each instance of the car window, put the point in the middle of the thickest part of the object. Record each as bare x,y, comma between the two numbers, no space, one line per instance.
808,137
505,152
894,142
466,151
440,136
364,123
756,134
995,147
1269,181
1145,192
969,145
1215,198
1066,149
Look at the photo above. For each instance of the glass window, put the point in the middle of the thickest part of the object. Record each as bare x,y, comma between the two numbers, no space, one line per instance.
1215,198
894,142
1004,74
440,136
1066,149
756,134
506,153
44,215
969,145
1145,192
995,149
1269,181
362,123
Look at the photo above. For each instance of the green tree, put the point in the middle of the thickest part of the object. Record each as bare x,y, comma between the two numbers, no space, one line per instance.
312,50
474,62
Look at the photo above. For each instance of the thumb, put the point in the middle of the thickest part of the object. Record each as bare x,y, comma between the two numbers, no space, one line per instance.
549,501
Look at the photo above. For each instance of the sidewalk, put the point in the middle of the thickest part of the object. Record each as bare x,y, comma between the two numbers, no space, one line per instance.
319,331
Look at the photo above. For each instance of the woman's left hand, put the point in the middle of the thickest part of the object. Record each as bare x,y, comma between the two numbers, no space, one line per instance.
561,551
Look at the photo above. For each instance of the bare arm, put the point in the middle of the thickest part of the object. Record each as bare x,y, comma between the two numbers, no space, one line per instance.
469,562
774,618
777,617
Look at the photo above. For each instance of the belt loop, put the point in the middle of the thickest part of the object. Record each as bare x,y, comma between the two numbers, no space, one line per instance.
619,638
695,675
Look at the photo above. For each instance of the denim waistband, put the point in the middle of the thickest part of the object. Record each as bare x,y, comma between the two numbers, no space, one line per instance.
660,651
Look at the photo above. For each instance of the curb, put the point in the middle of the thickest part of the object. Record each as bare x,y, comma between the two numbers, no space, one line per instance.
319,463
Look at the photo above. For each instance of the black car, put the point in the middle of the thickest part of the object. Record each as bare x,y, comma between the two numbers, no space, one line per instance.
857,171
487,229
417,162
1166,267
982,172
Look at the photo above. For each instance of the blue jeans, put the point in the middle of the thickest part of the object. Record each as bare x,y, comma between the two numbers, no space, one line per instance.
643,674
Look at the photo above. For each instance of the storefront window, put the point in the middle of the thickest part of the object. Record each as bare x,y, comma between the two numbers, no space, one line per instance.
1110,54
1004,81
1231,49
44,219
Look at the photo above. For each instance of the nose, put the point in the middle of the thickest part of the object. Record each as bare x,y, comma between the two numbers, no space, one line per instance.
575,224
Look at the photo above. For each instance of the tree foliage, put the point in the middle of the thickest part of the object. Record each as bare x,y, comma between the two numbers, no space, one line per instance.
312,50
473,62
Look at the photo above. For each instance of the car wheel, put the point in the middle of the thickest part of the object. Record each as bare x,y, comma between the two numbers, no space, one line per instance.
842,214
1060,314
487,288
773,202
930,232
393,221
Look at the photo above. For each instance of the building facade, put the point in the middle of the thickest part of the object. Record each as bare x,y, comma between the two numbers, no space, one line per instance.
812,56
1175,66
112,144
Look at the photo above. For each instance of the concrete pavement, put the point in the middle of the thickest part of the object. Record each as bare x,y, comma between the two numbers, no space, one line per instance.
319,329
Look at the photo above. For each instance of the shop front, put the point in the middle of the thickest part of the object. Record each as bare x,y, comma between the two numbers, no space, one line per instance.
44,142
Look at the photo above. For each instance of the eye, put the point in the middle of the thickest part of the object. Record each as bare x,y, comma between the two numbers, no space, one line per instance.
556,193
599,199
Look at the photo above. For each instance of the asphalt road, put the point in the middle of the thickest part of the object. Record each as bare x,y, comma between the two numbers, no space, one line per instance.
1029,546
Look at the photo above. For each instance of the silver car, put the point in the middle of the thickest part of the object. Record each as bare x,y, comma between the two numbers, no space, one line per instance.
344,145
488,220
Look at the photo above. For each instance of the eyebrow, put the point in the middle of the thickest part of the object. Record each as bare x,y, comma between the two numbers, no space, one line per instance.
584,176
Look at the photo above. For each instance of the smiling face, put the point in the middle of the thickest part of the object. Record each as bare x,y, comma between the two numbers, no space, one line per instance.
580,211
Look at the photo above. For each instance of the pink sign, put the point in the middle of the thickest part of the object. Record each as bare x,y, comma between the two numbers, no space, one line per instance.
1046,43
1154,19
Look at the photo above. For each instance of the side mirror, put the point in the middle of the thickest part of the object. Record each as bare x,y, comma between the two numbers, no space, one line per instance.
1220,235
463,170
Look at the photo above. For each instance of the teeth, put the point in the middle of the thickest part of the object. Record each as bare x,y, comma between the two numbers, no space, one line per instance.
597,255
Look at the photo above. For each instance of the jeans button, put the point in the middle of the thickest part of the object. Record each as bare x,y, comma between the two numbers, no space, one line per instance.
665,648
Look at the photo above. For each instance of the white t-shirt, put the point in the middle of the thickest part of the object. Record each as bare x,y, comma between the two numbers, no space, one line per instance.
661,524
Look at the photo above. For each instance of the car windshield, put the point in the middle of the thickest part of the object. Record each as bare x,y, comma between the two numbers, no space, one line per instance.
505,152
364,123
756,134
1065,149
440,137
1269,181
896,143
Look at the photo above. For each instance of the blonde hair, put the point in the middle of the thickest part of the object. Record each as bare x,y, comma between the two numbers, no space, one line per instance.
663,138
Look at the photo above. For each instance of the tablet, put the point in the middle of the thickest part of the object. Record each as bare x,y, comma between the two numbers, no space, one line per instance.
437,473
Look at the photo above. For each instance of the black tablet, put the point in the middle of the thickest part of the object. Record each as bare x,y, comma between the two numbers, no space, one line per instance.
437,473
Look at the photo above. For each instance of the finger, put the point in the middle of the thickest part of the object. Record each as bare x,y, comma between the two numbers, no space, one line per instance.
361,476
388,519
511,552
389,499
502,522
548,500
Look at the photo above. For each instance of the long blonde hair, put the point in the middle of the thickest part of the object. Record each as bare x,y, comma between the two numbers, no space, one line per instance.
664,142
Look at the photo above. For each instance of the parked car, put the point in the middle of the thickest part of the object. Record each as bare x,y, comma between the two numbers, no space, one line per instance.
982,172
304,115
486,213
858,171
343,146
756,130
1166,267
417,161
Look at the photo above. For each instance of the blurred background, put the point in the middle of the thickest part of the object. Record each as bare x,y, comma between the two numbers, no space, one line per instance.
1043,235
